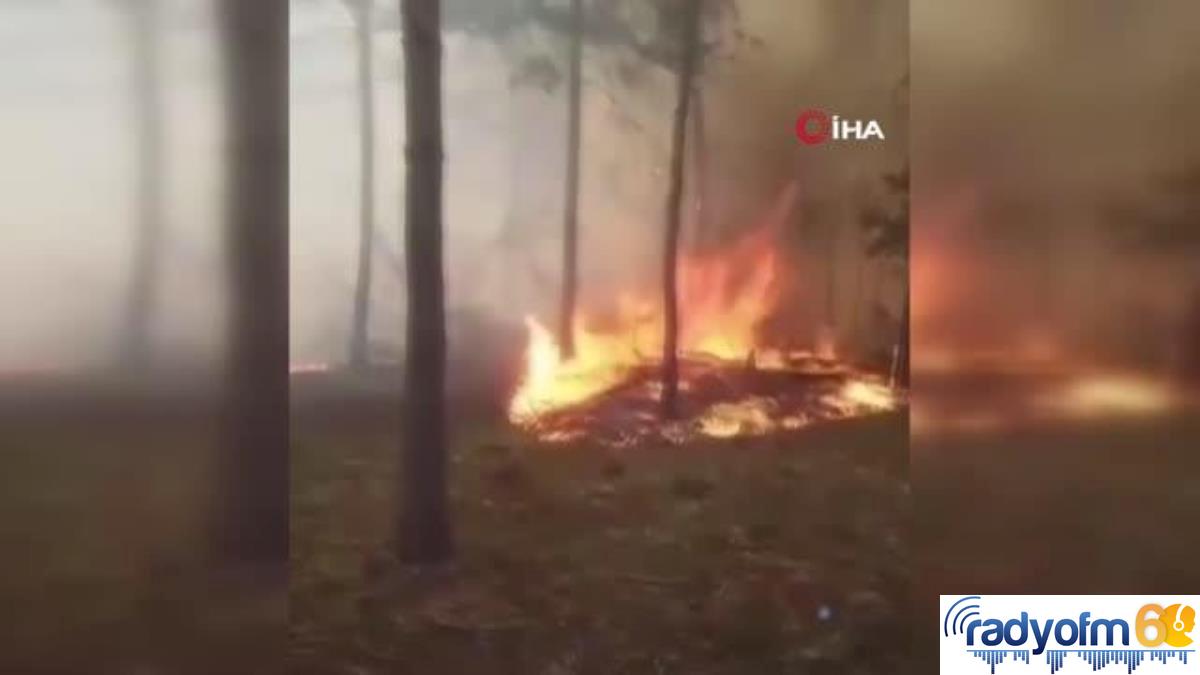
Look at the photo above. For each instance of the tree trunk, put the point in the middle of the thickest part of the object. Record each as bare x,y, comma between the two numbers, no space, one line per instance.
143,282
424,524
359,335
253,520
670,366
904,350
831,278
700,225
566,326
856,306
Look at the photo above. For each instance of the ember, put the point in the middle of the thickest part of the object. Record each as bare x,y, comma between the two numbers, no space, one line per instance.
724,399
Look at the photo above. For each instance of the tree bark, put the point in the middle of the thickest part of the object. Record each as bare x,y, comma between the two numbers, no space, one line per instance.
566,327
252,527
359,332
856,304
831,279
700,225
143,283
670,366
424,525
904,349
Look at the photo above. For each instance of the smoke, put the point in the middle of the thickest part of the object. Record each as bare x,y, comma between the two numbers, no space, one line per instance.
1047,137
69,126
505,106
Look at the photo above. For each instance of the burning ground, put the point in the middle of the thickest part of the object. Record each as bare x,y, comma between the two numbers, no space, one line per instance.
734,380
720,399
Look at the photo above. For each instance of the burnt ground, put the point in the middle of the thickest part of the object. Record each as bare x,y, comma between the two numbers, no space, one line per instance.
716,557
1104,505
105,484
784,554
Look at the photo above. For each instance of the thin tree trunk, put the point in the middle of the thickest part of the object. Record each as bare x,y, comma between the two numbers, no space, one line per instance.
831,255
143,282
904,350
700,225
856,305
424,525
359,331
253,522
566,327
670,366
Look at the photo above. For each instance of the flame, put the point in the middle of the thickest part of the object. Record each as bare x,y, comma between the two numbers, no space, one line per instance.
723,297
749,417
551,382
861,395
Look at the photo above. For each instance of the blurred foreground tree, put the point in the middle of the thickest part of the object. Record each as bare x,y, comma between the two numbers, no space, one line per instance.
141,300
424,524
359,348
252,526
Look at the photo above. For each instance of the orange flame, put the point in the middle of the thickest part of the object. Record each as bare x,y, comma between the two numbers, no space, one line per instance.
724,297
602,360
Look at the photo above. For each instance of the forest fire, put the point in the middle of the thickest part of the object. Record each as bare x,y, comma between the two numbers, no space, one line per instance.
731,384
610,392
719,326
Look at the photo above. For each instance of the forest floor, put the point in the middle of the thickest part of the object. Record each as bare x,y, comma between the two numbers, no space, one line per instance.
1090,506
1109,506
785,554
102,528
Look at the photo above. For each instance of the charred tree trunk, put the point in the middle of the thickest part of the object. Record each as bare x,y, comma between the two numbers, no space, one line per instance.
700,225
856,303
829,330
424,524
566,326
903,348
143,282
670,366
359,332
253,521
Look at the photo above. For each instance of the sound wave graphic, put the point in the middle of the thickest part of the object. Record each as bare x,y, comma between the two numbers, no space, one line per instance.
955,626
1096,658
994,657
1131,658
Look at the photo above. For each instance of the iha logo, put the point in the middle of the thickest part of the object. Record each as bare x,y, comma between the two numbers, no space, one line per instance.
1072,634
815,126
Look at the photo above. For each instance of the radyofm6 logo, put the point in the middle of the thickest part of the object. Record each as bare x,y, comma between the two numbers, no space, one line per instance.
1068,633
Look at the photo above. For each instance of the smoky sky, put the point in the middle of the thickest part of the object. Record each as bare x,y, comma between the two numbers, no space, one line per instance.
68,129
1037,127
506,153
